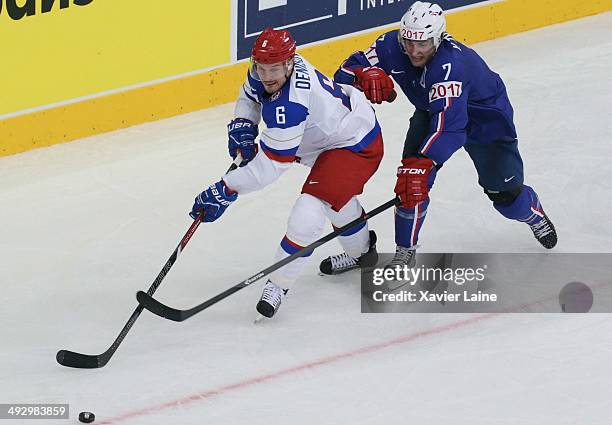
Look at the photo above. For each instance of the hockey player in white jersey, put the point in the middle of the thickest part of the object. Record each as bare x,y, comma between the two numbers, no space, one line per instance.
312,121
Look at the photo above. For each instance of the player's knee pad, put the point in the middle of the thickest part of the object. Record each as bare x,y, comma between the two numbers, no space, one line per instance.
349,212
306,221
503,197
526,207
355,241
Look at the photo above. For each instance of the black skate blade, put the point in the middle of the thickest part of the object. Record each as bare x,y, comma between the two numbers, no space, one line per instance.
390,286
347,272
260,318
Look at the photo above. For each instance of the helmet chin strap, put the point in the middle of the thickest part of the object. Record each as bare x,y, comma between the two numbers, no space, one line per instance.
436,45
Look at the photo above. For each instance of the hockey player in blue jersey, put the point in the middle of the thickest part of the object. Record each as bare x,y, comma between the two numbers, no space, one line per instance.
459,103
312,121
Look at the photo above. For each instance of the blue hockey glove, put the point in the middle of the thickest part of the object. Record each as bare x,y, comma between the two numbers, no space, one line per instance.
213,201
241,139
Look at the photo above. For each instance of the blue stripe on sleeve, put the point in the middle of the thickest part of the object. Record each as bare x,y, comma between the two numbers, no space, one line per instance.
279,152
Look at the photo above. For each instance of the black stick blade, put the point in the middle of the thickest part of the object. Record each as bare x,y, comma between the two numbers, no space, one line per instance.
157,308
80,361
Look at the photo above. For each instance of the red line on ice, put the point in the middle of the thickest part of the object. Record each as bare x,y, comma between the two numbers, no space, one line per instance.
204,395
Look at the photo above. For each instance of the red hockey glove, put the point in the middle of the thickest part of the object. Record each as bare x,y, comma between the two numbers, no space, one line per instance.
375,83
411,186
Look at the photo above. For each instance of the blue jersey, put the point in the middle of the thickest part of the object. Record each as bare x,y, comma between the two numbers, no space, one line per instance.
464,98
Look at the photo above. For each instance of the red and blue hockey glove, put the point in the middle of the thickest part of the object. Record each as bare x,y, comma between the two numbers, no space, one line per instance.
412,180
213,202
241,139
375,83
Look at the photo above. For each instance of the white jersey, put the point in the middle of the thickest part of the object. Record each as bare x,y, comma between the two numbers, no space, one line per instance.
309,115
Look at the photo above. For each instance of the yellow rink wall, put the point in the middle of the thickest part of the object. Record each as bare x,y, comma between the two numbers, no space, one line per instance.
75,68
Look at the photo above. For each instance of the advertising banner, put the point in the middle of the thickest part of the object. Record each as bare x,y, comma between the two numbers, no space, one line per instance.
62,50
317,20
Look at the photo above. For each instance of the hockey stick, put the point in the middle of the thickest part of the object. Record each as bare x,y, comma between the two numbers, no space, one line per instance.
162,310
86,361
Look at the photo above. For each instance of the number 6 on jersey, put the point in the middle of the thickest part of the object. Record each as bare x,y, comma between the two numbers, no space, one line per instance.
280,115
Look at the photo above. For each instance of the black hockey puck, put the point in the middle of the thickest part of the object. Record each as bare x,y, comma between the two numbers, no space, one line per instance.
576,297
87,417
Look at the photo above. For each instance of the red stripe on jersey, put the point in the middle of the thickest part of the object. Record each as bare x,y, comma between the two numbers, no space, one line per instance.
279,158
416,224
348,70
293,244
538,211
433,138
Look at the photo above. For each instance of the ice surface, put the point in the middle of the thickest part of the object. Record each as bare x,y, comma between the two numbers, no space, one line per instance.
87,224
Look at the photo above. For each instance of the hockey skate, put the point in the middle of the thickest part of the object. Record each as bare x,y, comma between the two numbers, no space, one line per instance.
544,232
271,299
403,257
341,263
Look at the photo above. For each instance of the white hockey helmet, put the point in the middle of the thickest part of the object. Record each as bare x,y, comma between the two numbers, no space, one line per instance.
423,21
